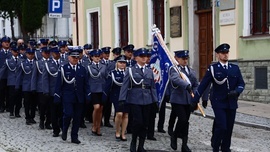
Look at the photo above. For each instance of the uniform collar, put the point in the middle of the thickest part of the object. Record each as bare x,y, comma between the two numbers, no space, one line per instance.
222,64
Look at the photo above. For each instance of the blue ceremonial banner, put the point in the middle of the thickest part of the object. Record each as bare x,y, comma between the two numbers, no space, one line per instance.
160,64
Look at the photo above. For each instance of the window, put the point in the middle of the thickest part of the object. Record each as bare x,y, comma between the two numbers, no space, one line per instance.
260,19
261,78
123,25
204,4
94,30
158,15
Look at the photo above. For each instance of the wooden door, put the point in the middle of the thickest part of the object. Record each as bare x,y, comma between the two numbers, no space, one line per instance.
123,22
205,41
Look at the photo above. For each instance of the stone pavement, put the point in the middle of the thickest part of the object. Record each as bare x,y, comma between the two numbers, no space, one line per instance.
251,114
15,136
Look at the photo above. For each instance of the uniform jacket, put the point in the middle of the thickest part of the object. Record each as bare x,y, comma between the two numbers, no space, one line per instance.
219,96
49,77
38,54
139,94
38,68
131,63
113,85
25,75
10,68
179,94
69,91
97,77
3,57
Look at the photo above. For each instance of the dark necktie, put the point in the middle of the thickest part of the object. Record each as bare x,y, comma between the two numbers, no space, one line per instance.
142,69
16,59
31,62
57,63
183,69
122,72
225,67
74,67
97,66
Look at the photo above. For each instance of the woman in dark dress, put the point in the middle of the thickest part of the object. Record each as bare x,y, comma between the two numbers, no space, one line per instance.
113,86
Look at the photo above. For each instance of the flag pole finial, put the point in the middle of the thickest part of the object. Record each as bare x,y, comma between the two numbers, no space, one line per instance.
155,29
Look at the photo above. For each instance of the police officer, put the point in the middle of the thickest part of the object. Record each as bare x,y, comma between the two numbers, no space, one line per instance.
4,54
107,109
116,52
128,52
97,78
36,85
49,77
86,49
72,89
139,91
63,48
24,79
113,86
227,84
184,82
42,43
11,68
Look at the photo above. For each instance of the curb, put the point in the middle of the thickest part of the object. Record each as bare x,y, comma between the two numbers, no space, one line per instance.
247,124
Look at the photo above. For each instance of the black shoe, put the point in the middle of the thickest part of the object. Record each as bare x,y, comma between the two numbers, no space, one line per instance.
133,146
64,135
117,138
32,121
108,125
161,131
152,138
28,122
18,116
55,135
41,125
141,145
76,141
185,148
174,142
83,125
11,115
123,139
48,127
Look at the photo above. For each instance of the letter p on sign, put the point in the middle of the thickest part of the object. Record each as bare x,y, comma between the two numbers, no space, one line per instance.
55,5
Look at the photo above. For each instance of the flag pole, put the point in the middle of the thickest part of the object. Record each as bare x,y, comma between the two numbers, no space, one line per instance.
156,31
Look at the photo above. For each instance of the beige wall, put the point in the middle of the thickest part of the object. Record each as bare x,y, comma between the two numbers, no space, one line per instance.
81,21
106,24
228,34
176,43
137,26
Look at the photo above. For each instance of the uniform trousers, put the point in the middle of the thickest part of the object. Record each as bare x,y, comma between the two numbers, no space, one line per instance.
44,108
56,116
162,112
4,95
140,119
30,104
72,111
183,114
15,100
223,127
152,116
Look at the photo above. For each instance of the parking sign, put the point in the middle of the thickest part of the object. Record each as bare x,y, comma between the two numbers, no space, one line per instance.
55,8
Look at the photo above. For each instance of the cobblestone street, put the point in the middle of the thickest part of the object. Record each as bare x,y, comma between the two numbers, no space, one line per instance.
16,136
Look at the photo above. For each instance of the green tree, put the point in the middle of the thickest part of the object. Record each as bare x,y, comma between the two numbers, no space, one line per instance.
28,12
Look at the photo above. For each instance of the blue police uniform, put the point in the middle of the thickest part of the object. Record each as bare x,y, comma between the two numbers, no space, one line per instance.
227,84
72,89
139,90
49,78
4,54
24,80
181,98
11,68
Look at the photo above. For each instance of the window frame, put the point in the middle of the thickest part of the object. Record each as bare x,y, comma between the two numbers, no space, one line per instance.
89,24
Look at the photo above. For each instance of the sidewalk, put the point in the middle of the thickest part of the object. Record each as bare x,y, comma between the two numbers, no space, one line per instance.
250,114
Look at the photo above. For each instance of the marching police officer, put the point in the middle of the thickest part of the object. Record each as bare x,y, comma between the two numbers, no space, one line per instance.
4,54
139,90
72,88
11,68
128,52
113,86
49,77
24,79
184,82
37,86
227,84
97,78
